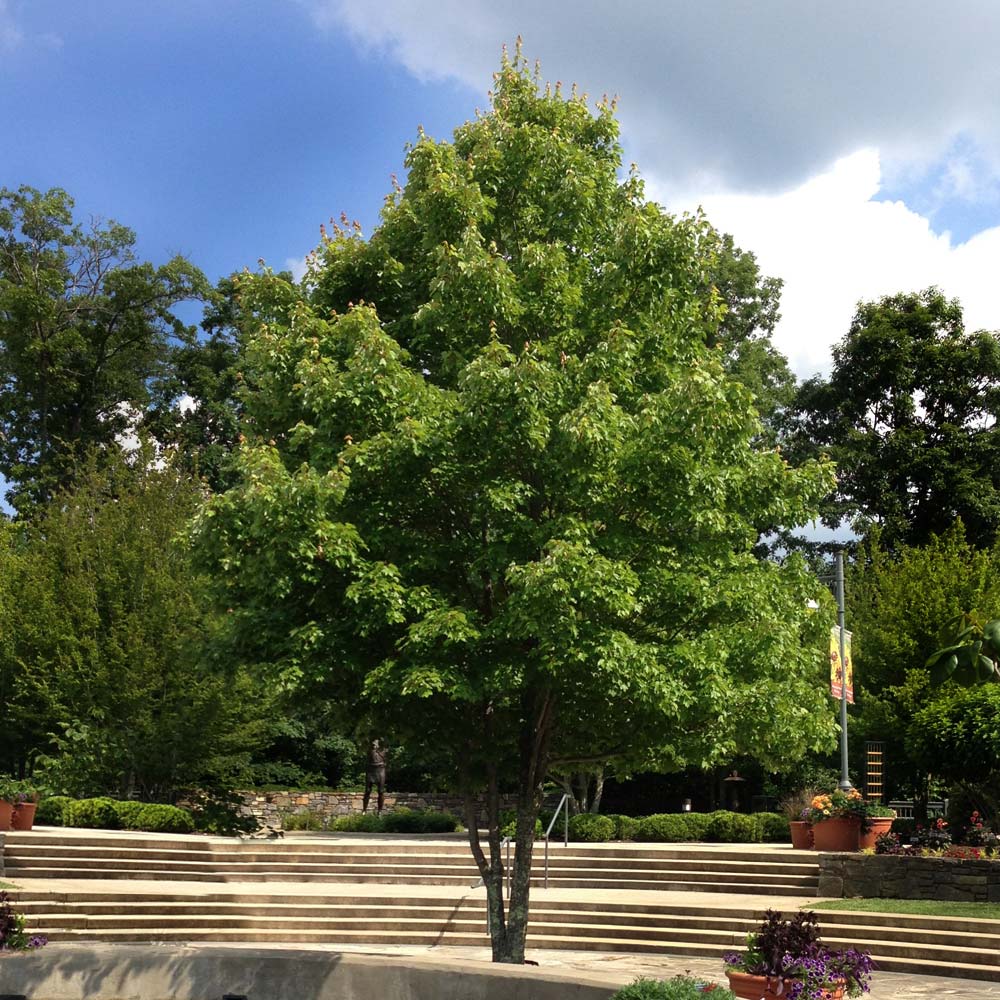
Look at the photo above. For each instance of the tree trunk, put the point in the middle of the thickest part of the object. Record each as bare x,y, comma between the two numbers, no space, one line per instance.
508,926
594,805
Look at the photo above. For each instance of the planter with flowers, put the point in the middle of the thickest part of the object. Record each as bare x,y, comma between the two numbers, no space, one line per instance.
877,823
796,809
25,804
838,818
8,793
785,960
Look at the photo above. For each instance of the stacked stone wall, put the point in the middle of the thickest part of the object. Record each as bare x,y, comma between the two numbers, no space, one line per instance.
890,876
268,808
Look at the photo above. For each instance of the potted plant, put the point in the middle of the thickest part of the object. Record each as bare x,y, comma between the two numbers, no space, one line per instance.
796,808
837,819
8,791
878,821
25,804
785,960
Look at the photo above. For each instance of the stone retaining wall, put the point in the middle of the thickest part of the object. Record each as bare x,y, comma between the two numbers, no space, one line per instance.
890,876
268,807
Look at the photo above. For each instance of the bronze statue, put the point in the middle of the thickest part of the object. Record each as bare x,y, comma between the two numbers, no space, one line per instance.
375,774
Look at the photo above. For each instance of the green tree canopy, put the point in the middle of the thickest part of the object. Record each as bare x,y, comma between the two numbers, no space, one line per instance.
909,413
497,485
901,607
106,641
84,329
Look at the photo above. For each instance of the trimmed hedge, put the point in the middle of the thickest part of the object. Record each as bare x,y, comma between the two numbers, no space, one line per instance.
50,810
734,828
591,828
719,827
111,814
400,820
96,814
774,827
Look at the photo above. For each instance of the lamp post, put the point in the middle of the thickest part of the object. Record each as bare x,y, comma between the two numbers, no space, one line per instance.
845,780
838,578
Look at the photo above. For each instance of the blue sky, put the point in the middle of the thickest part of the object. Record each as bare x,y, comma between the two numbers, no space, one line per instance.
855,148
225,131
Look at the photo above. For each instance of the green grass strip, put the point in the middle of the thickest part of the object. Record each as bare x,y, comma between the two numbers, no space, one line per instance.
929,907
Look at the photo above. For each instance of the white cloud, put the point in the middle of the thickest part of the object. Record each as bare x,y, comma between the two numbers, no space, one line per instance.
782,118
833,245
734,95
11,35
297,265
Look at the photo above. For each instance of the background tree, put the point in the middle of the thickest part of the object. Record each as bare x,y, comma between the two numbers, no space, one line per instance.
107,643
909,414
900,606
195,407
745,329
84,328
496,487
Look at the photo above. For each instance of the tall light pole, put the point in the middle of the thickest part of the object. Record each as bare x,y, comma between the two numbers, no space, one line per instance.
845,780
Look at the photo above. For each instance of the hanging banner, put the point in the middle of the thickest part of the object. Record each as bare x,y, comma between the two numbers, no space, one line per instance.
836,670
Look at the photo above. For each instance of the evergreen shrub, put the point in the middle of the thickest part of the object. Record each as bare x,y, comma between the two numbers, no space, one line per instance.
733,828
96,814
50,810
774,827
591,828
625,827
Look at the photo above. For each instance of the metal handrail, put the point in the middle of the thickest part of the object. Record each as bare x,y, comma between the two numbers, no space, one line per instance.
564,801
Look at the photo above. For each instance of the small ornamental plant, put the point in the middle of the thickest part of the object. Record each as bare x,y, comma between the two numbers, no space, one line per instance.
979,834
789,954
13,936
838,804
935,835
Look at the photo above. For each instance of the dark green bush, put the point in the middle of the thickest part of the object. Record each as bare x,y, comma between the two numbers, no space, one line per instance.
219,813
508,825
625,827
404,820
672,827
95,814
357,823
774,827
305,819
50,810
591,828
733,828
905,827
111,814
158,818
400,820
679,988
129,813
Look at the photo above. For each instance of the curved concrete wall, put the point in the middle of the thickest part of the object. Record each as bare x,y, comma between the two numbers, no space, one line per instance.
143,972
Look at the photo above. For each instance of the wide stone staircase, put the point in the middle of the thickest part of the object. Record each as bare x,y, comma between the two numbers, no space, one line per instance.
44,854
695,900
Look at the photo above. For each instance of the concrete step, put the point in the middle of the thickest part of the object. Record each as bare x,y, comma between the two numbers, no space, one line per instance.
944,946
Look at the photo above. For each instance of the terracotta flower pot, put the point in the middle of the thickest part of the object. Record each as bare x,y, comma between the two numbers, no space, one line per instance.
762,988
839,833
802,835
880,825
6,812
24,816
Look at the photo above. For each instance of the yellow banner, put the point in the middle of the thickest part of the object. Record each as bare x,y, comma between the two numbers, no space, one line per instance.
836,670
